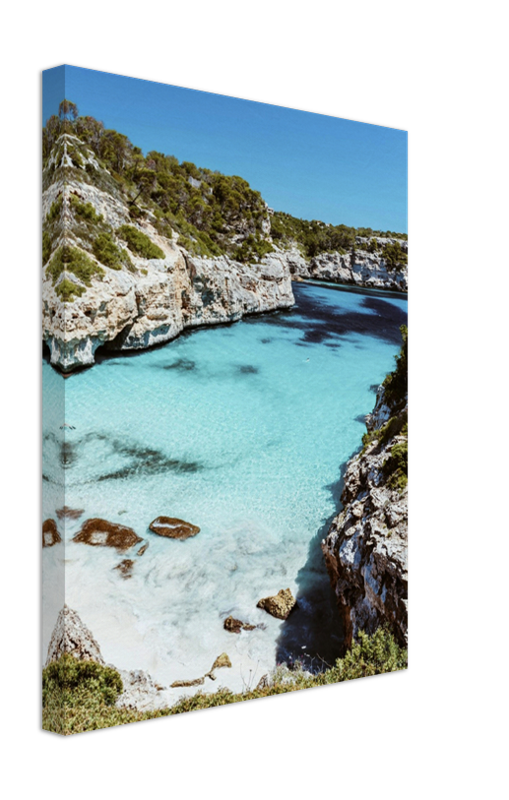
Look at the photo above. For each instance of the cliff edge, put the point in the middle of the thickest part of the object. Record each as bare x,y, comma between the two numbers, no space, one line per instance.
366,546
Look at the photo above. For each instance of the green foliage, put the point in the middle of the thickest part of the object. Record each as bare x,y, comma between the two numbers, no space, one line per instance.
46,246
139,243
77,691
396,466
393,427
67,290
85,211
82,702
71,259
394,256
396,383
55,210
252,249
372,246
107,252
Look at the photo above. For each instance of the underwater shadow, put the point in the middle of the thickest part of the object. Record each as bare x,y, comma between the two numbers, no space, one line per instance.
313,633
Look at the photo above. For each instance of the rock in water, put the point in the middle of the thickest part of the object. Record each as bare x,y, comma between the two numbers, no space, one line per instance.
101,533
126,568
236,625
173,528
50,534
71,636
221,661
72,513
280,605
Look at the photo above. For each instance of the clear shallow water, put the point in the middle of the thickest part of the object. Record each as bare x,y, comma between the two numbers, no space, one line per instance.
242,430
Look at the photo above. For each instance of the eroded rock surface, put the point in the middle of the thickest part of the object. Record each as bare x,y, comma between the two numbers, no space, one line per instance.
366,547
50,534
236,625
173,528
102,533
280,605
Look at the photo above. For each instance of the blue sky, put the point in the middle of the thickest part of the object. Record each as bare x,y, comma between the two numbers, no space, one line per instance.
310,165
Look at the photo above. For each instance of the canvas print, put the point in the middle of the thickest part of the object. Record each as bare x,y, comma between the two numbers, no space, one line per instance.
225,440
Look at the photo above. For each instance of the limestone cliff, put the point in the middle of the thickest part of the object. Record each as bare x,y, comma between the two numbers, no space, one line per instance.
366,546
360,268
113,280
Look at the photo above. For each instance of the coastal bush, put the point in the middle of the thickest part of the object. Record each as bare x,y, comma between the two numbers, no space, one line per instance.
85,211
394,256
55,210
396,382
396,466
85,699
139,243
252,249
67,290
107,252
46,246
76,693
71,259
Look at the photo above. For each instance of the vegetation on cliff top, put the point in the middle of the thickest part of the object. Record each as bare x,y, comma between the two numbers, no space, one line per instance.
213,213
395,468
80,695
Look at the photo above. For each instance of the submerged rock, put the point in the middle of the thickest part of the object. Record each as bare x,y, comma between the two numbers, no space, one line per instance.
236,625
50,534
173,528
142,549
125,568
280,605
101,533
71,513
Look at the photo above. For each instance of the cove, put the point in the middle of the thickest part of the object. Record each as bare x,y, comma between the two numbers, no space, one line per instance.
243,430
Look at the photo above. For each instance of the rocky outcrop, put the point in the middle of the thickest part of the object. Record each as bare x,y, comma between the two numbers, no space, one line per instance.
236,625
72,636
364,269
280,605
102,533
221,661
50,534
140,301
173,528
366,547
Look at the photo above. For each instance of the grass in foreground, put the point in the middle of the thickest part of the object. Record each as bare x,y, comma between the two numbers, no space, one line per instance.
79,695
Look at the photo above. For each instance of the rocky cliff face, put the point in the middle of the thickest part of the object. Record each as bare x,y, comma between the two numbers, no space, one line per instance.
98,290
366,547
363,268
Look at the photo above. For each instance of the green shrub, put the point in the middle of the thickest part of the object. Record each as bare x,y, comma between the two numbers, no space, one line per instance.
46,246
107,252
78,698
394,256
139,242
396,466
67,290
55,210
396,383
82,689
85,211
71,259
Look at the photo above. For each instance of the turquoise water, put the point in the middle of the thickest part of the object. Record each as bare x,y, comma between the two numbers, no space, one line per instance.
242,430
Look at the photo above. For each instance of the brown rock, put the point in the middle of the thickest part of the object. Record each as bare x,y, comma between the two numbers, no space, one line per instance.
142,549
236,625
196,682
101,533
173,528
50,534
125,568
71,513
221,661
280,605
